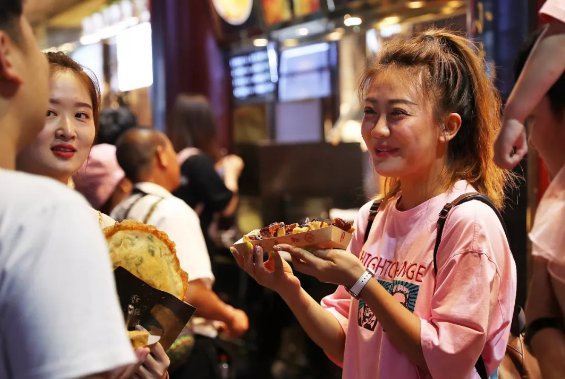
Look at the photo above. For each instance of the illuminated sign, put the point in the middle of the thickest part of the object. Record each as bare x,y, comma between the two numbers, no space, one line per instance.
253,74
234,12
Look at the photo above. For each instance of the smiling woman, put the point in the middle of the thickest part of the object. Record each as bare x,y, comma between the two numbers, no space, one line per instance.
63,145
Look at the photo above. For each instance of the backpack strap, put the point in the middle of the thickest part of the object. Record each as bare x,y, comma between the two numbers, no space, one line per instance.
480,365
372,214
137,191
449,206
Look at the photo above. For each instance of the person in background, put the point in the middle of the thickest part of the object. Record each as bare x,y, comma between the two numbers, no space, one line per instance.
62,147
544,66
545,307
150,162
209,180
101,180
431,117
59,312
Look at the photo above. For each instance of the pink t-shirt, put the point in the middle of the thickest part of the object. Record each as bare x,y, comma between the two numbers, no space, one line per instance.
553,9
465,311
548,234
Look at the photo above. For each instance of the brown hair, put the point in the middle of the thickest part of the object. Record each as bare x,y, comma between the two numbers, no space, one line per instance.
450,71
59,61
193,125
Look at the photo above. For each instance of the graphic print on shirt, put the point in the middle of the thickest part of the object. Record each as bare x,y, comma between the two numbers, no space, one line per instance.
365,316
405,292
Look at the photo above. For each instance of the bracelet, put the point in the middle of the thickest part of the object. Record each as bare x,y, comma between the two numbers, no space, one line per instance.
538,325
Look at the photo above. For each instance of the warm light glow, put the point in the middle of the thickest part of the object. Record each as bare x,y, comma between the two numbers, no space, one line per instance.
302,31
390,20
260,42
454,4
352,21
290,42
447,10
335,36
110,31
415,4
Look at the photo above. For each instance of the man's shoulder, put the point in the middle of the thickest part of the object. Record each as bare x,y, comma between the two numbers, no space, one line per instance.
179,207
25,193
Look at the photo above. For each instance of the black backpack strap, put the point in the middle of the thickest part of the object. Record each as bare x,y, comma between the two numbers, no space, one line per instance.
449,206
372,214
480,365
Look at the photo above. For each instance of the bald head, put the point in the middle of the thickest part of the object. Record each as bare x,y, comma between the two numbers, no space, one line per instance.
138,152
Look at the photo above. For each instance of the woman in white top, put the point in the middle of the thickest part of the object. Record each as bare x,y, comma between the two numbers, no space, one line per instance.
63,146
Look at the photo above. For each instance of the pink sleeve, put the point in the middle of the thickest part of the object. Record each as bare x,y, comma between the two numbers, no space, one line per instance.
473,302
553,9
339,302
459,314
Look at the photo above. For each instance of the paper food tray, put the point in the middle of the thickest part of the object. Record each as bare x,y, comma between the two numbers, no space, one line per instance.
330,237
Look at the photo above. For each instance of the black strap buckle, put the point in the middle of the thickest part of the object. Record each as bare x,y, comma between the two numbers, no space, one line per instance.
445,211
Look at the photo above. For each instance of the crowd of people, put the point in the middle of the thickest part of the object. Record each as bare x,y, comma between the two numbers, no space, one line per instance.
416,297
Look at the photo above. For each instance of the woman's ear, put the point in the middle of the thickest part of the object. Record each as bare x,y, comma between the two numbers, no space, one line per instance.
450,127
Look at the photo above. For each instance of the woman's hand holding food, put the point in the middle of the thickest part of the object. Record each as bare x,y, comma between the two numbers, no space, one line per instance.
329,266
155,366
275,273
127,371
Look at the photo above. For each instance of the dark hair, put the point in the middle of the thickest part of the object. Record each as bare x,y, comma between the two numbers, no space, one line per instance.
135,150
556,93
449,71
10,12
59,61
113,123
193,125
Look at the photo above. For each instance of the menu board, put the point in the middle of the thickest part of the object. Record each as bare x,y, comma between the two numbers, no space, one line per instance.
305,7
252,75
276,11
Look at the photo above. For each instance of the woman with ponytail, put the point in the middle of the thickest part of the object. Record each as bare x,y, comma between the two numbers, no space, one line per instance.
401,310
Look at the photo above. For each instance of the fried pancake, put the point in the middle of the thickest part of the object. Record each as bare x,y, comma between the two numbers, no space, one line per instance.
138,338
147,253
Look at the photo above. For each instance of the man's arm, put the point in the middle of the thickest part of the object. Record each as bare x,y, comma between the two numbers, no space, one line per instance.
209,306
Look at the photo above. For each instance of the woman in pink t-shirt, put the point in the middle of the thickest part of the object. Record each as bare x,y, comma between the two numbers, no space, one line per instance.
545,308
431,116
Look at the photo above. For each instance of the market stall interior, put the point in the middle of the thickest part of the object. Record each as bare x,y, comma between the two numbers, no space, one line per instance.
281,77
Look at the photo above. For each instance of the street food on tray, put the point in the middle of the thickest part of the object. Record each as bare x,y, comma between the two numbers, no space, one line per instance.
147,253
279,229
138,338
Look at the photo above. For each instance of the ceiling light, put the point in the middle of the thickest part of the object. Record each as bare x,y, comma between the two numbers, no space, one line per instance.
335,35
302,31
415,4
290,42
454,4
390,20
352,21
260,42
447,10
